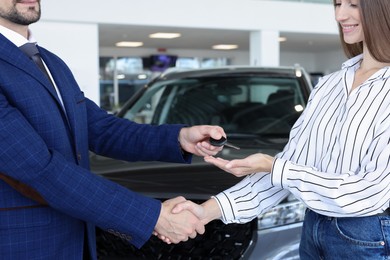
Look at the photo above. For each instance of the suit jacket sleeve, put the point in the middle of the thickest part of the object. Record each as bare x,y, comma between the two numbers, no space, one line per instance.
47,149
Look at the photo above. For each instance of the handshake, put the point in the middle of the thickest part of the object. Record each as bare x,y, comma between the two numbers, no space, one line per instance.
181,219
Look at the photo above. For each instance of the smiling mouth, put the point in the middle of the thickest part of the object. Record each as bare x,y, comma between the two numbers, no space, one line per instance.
349,27
27,2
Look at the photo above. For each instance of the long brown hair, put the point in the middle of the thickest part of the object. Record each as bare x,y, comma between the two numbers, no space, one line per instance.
375,21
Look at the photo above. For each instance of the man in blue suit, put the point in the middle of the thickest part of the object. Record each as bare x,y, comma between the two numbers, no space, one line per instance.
47,127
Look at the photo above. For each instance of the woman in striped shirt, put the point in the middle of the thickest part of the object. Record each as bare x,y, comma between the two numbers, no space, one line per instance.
337,157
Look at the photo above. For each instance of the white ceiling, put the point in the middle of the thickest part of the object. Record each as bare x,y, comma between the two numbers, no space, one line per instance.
203,39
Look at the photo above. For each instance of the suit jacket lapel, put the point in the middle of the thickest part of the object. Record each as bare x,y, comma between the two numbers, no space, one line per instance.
11,54
65,83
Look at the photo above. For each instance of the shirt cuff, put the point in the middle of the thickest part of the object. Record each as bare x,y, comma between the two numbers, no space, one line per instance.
279,172
226,207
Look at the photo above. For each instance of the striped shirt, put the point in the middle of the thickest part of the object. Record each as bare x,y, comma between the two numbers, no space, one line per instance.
337,158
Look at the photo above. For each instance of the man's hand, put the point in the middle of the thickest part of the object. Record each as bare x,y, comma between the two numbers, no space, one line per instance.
174,228
195,139
206,212
240,167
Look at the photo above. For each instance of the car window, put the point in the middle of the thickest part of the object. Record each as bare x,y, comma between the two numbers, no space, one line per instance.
239,104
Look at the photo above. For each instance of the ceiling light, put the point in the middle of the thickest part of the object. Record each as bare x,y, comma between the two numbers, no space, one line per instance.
225,47
282,39
129,44
162,35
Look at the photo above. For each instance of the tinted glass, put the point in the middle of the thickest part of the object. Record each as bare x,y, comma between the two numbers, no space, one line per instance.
239,104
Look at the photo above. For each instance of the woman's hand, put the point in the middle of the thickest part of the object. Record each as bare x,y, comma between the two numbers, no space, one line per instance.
240,167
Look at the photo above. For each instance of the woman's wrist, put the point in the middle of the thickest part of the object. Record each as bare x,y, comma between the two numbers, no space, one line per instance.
212,210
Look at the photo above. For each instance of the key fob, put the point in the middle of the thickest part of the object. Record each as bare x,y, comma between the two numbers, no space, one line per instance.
222,142
216,142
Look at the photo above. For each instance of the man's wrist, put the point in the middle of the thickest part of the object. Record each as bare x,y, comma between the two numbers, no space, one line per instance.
183,152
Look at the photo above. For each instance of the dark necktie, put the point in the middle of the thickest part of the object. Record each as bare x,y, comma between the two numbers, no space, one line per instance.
31,50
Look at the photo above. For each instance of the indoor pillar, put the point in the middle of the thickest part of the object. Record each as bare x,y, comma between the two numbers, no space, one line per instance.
264,48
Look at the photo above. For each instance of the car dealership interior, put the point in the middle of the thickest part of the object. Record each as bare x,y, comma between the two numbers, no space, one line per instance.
194,130
248,32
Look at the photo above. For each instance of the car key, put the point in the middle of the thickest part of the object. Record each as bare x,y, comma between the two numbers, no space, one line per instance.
221,142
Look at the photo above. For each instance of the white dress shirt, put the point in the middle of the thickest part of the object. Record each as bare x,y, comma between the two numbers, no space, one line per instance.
337,158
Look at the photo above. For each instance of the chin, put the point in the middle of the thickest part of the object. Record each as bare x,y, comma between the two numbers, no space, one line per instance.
351,41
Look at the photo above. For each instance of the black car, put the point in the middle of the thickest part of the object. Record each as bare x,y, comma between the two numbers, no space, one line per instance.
257,108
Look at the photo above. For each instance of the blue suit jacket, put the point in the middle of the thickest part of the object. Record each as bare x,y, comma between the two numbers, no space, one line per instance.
47,149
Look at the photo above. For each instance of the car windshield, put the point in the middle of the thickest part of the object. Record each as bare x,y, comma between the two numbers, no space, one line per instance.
241,105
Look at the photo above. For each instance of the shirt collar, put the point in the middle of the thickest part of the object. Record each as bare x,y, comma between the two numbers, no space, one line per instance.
15,37
353,62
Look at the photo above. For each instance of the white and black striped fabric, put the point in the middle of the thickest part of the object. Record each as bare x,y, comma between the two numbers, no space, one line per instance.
337,158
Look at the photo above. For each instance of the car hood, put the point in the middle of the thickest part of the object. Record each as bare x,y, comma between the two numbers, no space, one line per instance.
197,181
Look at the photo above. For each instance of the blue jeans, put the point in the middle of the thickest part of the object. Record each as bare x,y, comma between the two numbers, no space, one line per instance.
345,238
